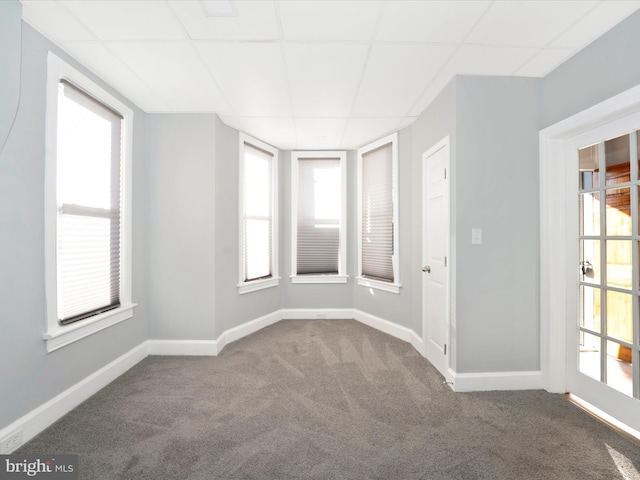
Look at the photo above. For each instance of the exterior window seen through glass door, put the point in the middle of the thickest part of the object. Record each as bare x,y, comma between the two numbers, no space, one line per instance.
609,289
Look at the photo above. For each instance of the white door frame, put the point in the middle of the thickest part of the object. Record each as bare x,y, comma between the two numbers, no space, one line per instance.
440,145
557,168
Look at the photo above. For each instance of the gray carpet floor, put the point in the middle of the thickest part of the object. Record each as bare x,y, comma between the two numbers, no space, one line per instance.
326,399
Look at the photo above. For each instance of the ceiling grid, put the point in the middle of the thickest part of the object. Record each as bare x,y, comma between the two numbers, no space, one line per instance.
314,74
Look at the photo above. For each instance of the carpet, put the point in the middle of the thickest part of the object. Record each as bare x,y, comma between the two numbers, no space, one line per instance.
326,399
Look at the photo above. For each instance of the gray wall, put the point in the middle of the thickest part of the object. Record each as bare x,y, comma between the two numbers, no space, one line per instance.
396,308
193,226
497,188
10,39
185,217
493,127
435,123
181,226
233,309
603,69
30,375
493,123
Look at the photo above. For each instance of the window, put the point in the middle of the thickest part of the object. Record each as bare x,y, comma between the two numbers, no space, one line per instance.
258,215
378,215
87,207
318,199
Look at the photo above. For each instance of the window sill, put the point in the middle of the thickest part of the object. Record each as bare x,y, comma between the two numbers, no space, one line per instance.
319,278
63,335
378,285
258,285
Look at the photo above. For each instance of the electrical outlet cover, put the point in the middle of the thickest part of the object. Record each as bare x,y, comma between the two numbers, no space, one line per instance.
11,442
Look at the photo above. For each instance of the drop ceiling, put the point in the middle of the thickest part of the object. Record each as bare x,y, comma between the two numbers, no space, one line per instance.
314,74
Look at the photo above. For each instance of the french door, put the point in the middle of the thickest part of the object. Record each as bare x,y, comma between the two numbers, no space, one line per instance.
603,336
589,256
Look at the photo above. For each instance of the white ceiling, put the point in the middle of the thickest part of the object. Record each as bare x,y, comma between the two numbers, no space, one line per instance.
315,74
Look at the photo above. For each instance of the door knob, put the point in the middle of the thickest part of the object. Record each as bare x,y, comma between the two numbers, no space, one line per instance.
586,267
426,268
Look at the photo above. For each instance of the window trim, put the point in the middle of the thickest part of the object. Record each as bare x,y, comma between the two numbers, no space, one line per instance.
57,335
273,281
341,276
393,287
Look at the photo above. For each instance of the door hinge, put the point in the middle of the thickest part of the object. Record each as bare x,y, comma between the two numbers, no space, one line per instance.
445,261
445,348
445,173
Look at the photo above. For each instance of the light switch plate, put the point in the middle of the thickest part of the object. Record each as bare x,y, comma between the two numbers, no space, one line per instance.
476,236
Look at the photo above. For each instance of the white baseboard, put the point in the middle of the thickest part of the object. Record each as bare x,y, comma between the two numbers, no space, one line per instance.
393,329
460,382
248,328
42,417
183,347
214,347
317,313
488,381
46,414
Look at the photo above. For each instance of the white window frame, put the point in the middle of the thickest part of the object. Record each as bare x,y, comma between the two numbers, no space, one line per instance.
393,287
342,276
274,280
57,335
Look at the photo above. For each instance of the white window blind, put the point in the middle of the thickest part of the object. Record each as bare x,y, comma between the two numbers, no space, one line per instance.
377,248
88,191
319,213
257,213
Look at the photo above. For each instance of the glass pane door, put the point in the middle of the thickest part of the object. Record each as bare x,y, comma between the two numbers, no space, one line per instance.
608,268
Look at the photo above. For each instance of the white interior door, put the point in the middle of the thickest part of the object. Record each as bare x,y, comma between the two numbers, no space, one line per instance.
435,254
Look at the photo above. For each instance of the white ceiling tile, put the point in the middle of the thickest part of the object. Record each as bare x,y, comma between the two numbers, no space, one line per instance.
543,62
396,76
361,131
53,21
433,90
486,60
527,23
233,122
324,78
114,72
406,122
319,133
251,76
433,21
256,20
329,21
174,71
130,20
474,60
595,23
278,132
